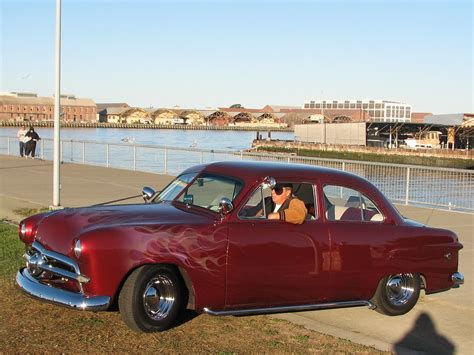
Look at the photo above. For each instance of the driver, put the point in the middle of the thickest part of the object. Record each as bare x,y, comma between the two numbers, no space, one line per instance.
284,206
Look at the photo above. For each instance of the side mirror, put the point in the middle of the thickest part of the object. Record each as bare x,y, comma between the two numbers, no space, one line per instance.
269,181
225,206
148,193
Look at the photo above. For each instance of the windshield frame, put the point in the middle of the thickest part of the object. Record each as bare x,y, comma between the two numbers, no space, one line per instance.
173,182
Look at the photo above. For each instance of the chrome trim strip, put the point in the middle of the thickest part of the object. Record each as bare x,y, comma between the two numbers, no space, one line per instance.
458,279
64,273
284,309
34,288
60,257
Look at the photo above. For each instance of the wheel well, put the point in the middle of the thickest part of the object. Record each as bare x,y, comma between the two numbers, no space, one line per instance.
179,270
423,281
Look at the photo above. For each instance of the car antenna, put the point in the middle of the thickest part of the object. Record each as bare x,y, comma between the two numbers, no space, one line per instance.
120,199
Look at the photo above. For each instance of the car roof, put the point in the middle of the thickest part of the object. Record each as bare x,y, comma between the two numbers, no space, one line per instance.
258,169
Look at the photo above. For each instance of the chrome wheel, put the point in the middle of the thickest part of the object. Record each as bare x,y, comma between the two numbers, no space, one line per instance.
159,297
397,294
153,298
400,288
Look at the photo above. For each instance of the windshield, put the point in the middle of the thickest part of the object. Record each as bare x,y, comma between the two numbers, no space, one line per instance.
208,190
174,188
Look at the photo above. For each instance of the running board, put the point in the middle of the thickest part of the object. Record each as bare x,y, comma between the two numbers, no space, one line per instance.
285,309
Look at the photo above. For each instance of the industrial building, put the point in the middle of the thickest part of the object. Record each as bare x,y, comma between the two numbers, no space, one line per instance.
377,110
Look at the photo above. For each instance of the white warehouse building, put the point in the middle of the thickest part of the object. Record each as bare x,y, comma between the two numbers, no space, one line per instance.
378,110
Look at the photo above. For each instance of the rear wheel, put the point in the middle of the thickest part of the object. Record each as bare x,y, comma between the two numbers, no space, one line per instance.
397,294
152,298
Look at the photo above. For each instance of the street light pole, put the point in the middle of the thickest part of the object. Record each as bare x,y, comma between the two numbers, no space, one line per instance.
57,96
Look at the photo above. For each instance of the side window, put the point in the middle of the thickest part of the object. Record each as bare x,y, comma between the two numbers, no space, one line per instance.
260,203
345,204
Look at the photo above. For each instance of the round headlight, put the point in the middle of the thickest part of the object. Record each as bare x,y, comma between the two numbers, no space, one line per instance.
77,248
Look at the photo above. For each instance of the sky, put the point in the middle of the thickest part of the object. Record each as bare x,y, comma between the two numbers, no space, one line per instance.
198,54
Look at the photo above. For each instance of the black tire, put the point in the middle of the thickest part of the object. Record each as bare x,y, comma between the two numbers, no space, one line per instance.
152,298
397,294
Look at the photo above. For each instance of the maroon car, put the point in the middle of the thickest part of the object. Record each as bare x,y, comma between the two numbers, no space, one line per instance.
199,244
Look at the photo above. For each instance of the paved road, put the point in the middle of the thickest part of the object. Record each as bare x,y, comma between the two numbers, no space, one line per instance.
440,323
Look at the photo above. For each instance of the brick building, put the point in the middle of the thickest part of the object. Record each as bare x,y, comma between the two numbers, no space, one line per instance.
31,107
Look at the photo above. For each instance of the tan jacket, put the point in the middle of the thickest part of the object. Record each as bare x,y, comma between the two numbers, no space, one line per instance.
293,211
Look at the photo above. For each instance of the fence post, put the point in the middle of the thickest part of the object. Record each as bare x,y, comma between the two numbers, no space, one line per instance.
202,158
343,166
42,149
166,161
107,157
83,152
8,145
407,191
134,157
241,155
289,159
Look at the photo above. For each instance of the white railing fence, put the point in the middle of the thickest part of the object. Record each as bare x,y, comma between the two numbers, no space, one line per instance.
410,185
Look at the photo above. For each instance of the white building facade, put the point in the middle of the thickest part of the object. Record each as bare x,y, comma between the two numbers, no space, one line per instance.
379,110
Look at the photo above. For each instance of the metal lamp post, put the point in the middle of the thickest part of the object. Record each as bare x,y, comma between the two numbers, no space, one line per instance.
57,96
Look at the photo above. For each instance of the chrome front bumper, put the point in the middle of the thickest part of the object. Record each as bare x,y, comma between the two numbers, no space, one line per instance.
35,288
458,279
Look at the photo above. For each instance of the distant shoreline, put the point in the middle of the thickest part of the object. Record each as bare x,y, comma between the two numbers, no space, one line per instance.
147,126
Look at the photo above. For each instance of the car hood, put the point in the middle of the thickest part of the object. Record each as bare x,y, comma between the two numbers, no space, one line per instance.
58,230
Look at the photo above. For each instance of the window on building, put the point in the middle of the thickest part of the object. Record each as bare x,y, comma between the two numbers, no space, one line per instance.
388,112
347,104
402,111
353,105
328,105
371,104
318,105
311,105
306,105
365,105
377,113
378,105
341,105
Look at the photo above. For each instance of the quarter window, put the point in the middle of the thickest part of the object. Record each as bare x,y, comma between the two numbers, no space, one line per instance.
345,204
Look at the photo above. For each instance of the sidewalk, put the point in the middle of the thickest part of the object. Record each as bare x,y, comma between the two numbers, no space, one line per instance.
28,183
440,323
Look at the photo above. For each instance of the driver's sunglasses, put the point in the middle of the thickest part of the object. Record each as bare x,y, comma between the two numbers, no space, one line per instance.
278,190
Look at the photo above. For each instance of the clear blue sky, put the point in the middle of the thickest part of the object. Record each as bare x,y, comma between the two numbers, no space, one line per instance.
217,53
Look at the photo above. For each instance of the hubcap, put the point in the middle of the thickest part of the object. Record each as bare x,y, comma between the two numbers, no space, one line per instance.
159,297
400,288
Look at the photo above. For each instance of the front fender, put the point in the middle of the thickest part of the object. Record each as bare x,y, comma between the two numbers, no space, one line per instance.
110,254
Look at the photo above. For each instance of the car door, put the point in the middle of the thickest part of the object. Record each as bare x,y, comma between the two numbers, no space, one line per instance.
274,263
360,241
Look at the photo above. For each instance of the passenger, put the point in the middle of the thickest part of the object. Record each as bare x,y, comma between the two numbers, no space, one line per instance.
286,207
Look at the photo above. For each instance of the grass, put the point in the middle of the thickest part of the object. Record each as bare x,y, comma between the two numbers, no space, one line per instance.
379,158
25,212
30,325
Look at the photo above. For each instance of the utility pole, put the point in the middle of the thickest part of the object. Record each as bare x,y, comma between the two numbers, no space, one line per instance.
57,97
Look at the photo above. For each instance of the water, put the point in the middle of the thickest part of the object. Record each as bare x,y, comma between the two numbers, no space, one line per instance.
222,140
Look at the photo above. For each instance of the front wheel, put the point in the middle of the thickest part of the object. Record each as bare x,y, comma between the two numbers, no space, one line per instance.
397,294
152,298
